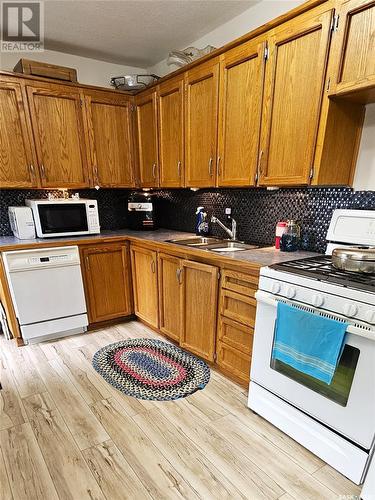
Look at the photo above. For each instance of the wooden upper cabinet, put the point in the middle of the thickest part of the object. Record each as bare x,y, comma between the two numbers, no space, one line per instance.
147,135
107,277
199,308
241,91
171,132
201,115
170,295
355,46
109,127
145,284
57,122
294,82
17,168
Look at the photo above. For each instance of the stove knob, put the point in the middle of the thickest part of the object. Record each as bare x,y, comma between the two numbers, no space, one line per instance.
350,310
276,288
370,317
317,300
290,292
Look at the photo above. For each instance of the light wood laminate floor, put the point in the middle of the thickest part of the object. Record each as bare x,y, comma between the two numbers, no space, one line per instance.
67,434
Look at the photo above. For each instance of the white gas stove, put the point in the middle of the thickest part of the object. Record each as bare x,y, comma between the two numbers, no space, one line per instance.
336,421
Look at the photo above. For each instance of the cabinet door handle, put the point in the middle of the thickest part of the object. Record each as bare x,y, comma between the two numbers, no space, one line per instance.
43,171
179,169
178,275
218,166
210,173
32,170
87,263
154,170
96,173
259,168
153,267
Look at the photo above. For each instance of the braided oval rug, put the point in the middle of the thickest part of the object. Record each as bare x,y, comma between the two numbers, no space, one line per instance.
151,369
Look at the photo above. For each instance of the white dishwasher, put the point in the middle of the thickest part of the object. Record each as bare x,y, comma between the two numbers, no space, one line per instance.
47,291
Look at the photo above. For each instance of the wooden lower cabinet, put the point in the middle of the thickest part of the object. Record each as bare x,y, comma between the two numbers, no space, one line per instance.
234,334
106,272
235,329
199,308
238,307
145,284
233,362
170,296
179,297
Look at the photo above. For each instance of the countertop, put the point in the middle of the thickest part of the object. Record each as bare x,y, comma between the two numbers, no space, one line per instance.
260,256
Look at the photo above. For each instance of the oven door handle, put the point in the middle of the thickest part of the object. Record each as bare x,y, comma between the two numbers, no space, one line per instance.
272,300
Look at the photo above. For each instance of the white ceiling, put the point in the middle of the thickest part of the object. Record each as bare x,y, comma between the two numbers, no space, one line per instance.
133,32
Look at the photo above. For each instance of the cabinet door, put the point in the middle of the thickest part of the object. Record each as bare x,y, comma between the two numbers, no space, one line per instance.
171,133
295,75
110,139
199,308
201,115
16,158
241,92
57,122
355,45
145,285
170,296
147,134
107,281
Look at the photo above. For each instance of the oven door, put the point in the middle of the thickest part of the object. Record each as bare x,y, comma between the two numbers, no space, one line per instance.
347,405
61,219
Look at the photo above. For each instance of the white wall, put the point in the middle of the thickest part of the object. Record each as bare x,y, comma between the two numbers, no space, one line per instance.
252,18
89,71
364,178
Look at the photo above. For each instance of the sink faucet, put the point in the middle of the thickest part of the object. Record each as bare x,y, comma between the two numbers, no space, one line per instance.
232,232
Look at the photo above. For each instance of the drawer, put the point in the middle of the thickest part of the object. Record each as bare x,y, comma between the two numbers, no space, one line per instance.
245,284
238,307
236,335
234,362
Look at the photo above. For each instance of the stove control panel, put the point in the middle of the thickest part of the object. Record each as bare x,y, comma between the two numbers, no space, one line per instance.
370,317
317,300
332,303
350,310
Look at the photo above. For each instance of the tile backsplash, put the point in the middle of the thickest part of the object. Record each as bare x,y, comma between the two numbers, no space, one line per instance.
256,210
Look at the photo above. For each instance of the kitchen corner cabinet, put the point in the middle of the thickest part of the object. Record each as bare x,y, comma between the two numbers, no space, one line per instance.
241,92
294,83
201,115
354,49
107,278
145,284
171,132
17,162
199,308
170,296
57,123
147,138
109,134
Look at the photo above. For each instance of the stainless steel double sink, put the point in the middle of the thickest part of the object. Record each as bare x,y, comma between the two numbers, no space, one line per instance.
213,244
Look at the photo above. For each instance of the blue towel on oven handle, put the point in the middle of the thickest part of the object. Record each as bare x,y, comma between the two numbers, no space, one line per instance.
310,343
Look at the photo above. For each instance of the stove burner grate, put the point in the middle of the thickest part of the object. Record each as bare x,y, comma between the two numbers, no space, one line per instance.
321,268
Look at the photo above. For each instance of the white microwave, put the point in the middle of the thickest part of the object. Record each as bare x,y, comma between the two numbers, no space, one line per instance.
65,217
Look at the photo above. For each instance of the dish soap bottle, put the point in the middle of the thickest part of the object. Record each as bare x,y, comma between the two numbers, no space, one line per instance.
201,227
